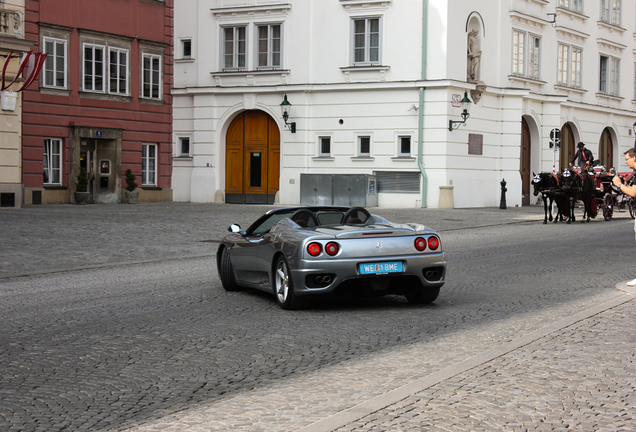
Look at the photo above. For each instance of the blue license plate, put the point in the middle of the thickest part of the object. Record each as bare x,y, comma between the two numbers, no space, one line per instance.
381,268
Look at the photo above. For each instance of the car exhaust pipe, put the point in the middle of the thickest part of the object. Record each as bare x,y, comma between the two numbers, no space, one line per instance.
322,279
319,279
431,274
326,279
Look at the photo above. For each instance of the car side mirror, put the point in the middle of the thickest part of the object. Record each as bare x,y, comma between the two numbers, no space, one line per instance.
235,228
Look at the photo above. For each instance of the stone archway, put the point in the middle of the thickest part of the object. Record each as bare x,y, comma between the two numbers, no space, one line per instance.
252,159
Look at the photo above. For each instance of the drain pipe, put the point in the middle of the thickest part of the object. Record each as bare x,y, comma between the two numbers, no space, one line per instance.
420,139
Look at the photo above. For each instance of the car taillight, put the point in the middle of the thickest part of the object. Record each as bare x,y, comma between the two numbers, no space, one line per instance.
433,243
332,248
314,249
420,243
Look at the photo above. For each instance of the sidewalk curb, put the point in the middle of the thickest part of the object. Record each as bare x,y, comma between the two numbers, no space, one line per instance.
359,411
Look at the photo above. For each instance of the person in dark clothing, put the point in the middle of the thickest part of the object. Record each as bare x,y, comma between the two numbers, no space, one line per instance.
583,156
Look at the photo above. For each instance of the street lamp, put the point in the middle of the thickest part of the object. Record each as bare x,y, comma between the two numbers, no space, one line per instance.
454,124
285,108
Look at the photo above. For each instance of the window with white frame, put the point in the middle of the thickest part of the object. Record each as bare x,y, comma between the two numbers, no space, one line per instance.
186,48
611,11
573,5
364,146
54,69
234,47
404,146
366,41
184,146
569,65
151,76
609,75
93,68
149,165
324,146
269,45
52,161
118,71
526,49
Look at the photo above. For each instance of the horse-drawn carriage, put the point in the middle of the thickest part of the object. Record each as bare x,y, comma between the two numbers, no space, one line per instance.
579,188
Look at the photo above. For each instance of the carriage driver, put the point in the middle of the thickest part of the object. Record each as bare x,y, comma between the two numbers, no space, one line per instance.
630,160
583,155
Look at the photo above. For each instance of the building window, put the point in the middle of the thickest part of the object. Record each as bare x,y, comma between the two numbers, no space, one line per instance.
404,146
366,41
573,5
525,54
55,63
234,47
611,11
324,146
569,66
149,165
186,48
93,68
184,146
52,161
118,71
364,146
269,45
609,75
151,76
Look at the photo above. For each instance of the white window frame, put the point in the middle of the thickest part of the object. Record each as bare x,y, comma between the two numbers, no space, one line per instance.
364,43
569,61
526,54
148,78
611,11
182,47
94,76
149,164
400,149
609,75
272,45
359,142
322,141
53,63
180,151
118,65
239,49
51,156
573,5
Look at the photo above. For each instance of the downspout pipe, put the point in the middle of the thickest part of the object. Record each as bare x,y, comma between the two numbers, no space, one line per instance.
420,135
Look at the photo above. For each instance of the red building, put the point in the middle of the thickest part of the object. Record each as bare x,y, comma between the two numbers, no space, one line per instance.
103,101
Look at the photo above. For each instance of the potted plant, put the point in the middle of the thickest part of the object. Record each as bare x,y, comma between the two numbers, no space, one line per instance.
81,187
131,194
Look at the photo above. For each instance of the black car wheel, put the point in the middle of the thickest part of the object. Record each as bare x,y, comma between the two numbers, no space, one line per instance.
284,287
422,295
226,272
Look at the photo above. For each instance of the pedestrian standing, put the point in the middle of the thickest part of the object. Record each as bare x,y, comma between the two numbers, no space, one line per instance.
630,160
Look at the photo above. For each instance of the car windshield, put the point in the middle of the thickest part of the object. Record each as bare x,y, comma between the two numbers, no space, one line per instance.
325,217
263,226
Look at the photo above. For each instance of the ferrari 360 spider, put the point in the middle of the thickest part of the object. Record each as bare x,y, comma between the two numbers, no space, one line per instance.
299,252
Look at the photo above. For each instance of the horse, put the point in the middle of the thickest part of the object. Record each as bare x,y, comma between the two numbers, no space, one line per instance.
549,186
580,186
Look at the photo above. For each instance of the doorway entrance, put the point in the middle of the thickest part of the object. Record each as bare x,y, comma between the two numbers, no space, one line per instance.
606,149
100,159
252,159
525,162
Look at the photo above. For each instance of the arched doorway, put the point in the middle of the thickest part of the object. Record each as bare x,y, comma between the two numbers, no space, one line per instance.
568,147
252,159
606,149
525,162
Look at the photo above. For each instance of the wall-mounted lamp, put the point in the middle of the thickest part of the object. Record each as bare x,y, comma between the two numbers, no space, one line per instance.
285,108
453,124
634,128
552,18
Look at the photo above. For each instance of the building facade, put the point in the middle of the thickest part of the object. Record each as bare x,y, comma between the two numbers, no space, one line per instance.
103,102
12,46
376,89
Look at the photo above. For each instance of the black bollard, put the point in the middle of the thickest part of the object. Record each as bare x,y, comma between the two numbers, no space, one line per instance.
502,203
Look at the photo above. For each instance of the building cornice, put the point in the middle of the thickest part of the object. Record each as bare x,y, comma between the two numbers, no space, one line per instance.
521,18
239,11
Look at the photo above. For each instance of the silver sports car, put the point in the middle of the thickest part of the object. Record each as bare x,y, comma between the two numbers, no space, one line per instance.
300,252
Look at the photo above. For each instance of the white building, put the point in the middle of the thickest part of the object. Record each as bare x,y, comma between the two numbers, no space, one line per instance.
374,83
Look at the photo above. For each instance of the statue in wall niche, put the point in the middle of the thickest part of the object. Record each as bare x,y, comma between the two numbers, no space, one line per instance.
474,56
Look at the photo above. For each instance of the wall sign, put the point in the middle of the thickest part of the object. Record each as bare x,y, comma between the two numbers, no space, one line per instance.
104,167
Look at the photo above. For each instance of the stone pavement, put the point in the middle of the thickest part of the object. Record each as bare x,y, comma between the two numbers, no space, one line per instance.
577,373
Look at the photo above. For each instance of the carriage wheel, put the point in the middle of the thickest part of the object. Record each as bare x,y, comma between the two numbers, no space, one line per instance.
630,206
608,206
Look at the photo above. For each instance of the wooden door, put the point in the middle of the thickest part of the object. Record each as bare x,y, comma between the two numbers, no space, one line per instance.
567,146
606,150
252,159
525,162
